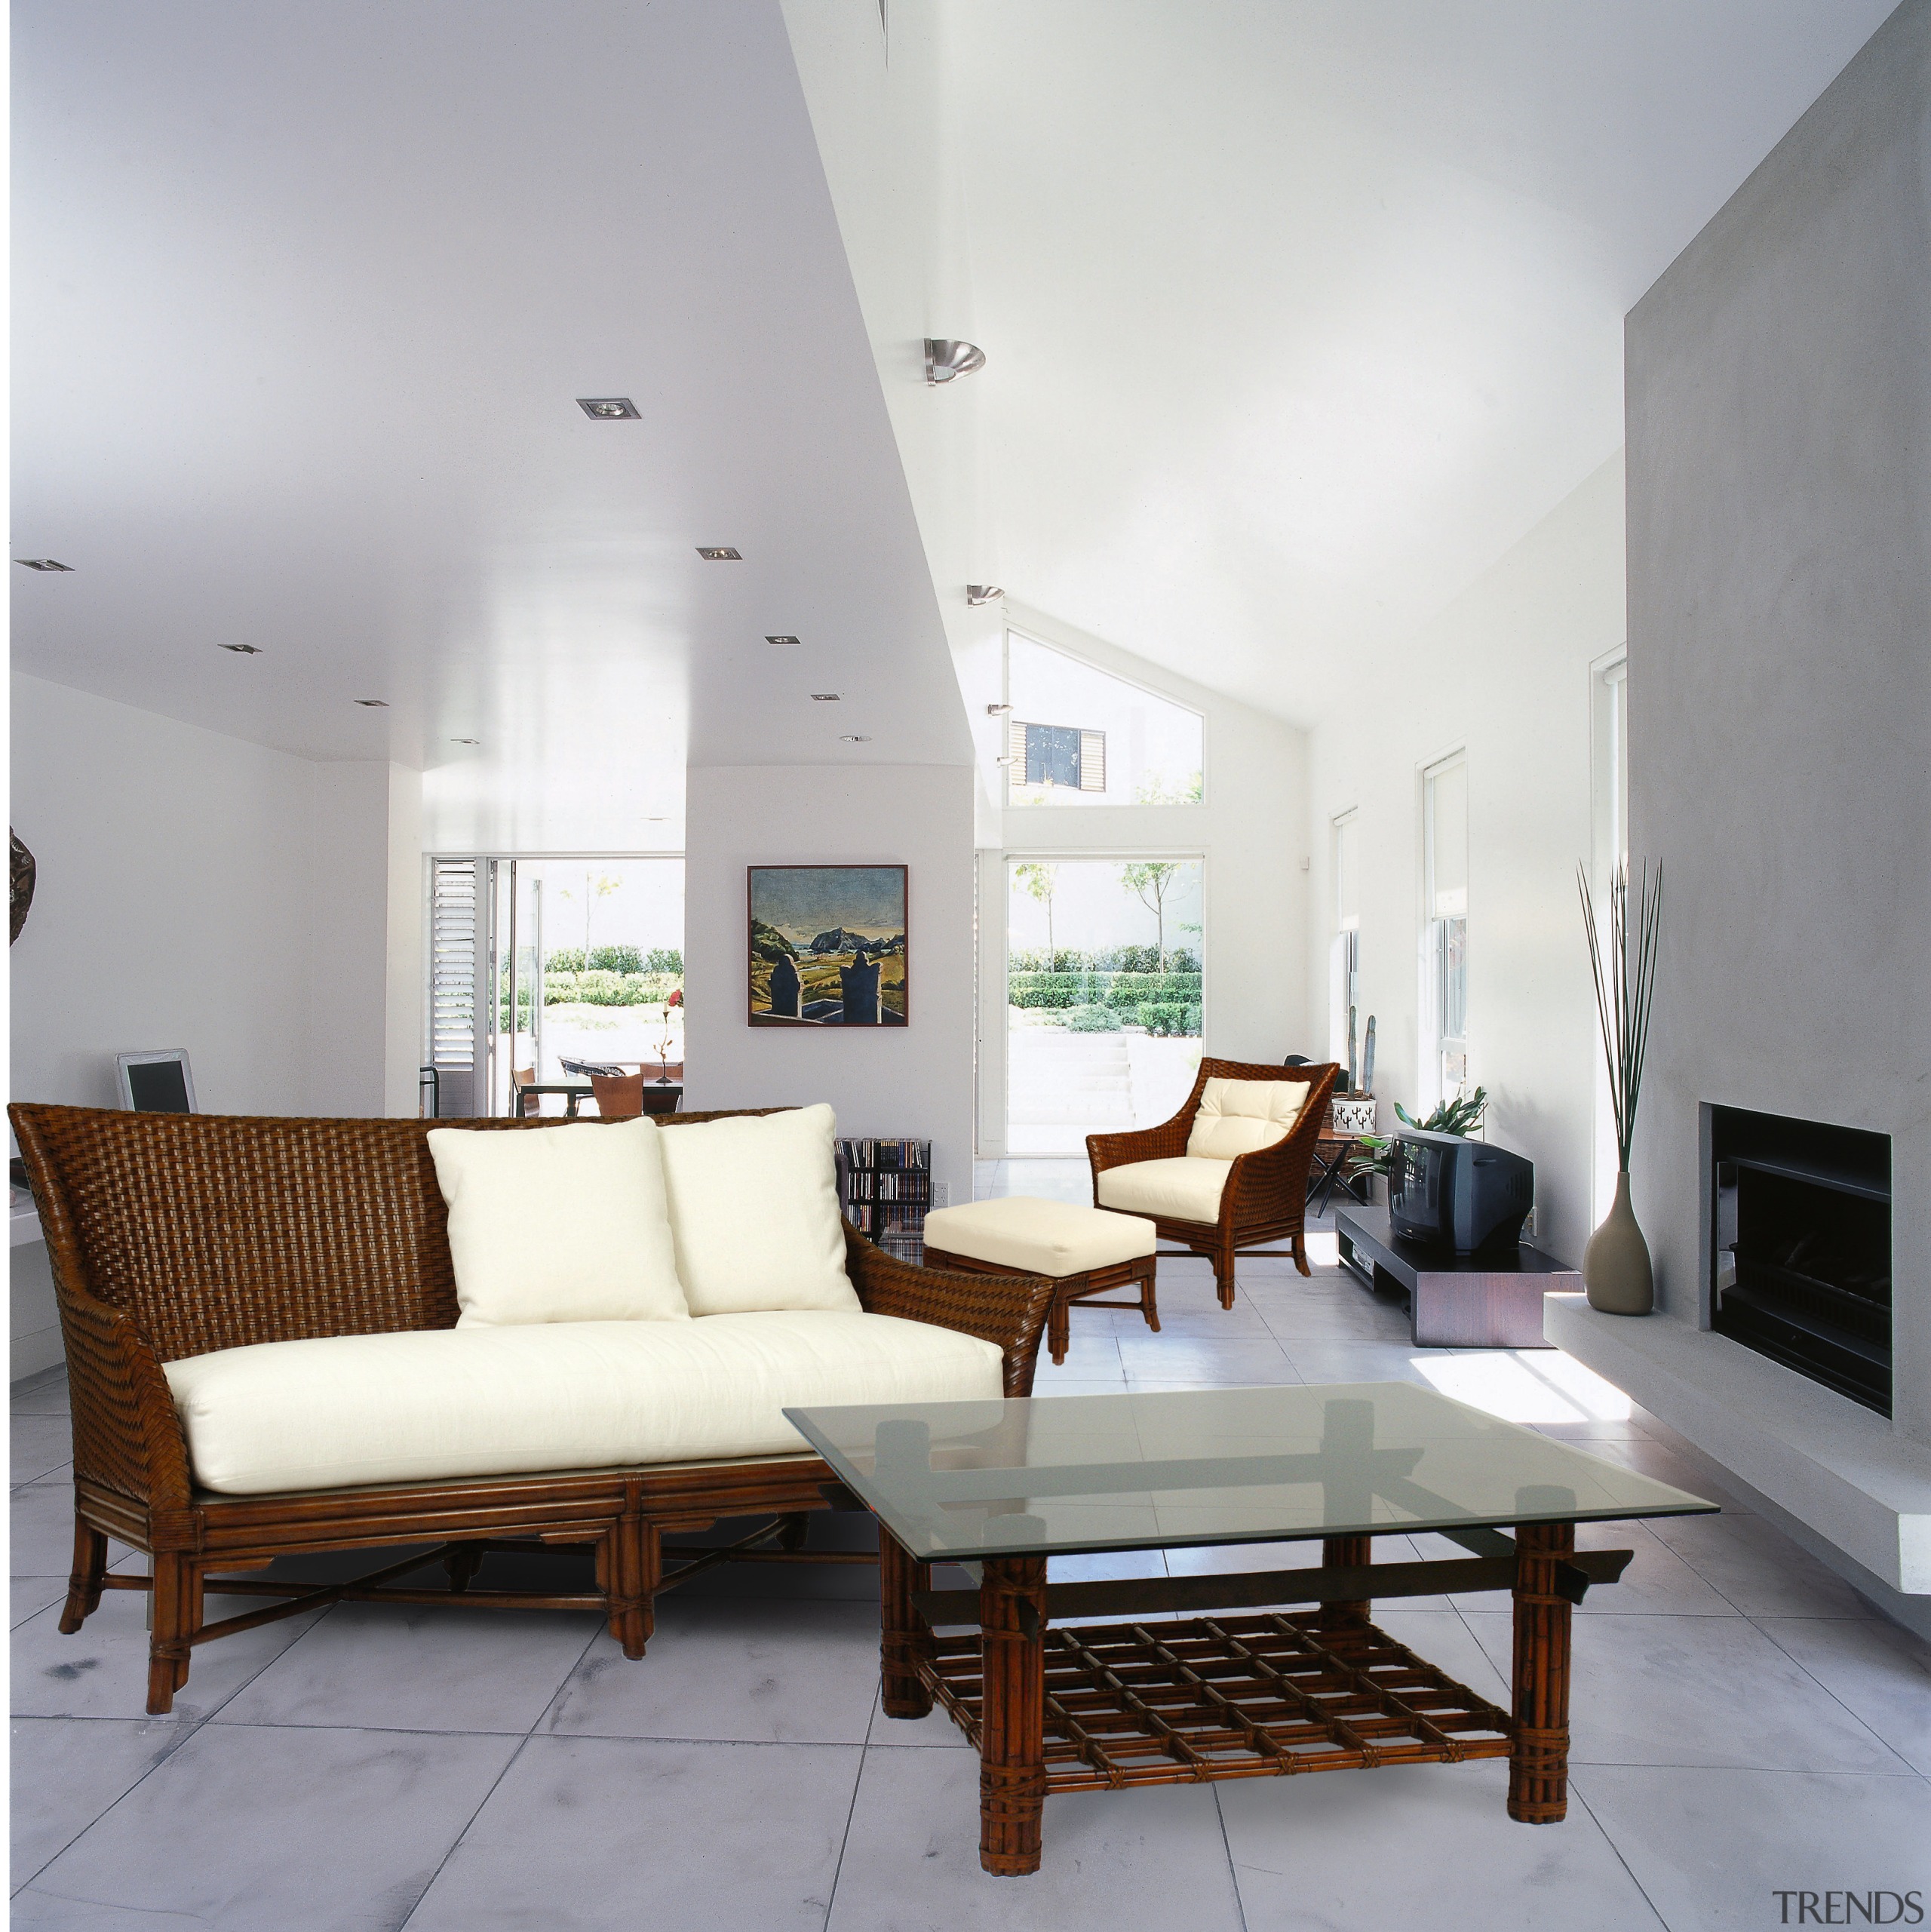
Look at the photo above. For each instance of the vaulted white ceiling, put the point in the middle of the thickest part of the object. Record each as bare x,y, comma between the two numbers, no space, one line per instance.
1299,313
305,295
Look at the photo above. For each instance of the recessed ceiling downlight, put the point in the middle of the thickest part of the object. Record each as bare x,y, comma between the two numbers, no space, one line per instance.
826,697
609,409
41,564
781,640
465,741
241,650
719,553
854,738
374,704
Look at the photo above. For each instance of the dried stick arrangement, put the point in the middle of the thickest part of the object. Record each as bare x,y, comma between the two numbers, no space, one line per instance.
1625,988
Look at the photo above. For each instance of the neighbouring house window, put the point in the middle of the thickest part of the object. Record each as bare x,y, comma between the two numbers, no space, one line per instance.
1061,754
1079,736
1445,906
1344,953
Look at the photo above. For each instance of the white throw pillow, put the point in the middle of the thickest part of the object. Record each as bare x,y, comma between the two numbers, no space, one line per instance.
559,1224
1242,1116
754,1212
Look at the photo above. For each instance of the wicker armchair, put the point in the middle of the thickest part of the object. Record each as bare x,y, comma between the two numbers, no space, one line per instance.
174,1235
1265,1199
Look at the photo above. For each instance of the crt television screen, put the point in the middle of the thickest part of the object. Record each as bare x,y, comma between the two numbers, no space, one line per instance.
158,1086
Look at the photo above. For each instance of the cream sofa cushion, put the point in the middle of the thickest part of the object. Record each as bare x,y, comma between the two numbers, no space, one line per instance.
1188,1189
425,1405
1242,1116
558,1224
1033,1237
754,1213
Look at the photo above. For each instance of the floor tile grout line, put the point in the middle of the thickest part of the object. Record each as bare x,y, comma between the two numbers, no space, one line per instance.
468,1824
1797,1663
1607,1839
851,1812
1233,1870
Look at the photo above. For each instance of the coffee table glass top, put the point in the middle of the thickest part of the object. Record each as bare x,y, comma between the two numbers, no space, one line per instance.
967,1479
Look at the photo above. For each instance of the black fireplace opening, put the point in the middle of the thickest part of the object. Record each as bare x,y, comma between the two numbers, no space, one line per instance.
1800,1247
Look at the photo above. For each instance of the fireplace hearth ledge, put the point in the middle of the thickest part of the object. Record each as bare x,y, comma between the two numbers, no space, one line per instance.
1834,1465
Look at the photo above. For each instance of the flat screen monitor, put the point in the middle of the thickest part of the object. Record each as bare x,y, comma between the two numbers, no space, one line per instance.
156,1082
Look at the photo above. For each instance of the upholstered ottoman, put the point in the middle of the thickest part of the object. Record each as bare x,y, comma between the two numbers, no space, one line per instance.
1084,1251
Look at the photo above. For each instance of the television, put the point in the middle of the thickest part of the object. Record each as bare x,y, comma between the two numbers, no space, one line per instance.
1465,1195
158,1082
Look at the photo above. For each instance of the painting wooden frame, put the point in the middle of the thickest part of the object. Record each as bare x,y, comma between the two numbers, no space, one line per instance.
800,971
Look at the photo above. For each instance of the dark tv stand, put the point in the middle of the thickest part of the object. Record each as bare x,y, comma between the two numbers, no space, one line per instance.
1487,1300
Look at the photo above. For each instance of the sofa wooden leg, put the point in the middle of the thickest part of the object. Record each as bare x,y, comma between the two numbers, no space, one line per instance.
175,1599
1224,1275
461,1562
1149,1306
630,1565
796,1528
83,1582
1058,1324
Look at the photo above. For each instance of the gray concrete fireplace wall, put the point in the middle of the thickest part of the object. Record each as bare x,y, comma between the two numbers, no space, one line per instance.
1780,547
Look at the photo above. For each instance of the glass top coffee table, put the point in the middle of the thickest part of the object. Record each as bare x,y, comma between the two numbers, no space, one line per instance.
1055,1702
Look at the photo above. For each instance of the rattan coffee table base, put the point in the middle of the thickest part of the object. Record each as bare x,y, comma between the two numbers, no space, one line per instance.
1209,1697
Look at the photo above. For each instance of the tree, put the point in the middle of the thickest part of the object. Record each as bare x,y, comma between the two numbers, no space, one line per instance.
1038,880
599,886
1150,883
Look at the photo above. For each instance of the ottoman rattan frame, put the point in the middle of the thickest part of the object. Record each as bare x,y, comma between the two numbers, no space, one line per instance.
1068,1289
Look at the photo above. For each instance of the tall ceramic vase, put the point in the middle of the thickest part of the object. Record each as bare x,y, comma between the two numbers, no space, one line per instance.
1617,1276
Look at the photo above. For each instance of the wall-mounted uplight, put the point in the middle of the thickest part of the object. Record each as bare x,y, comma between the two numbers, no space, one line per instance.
465,741
983,593
826,697
946,361
781,640
993,710
41,564
609,409
241,650
374,704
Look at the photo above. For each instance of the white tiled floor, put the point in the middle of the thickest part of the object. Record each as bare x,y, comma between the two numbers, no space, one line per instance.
1743,1723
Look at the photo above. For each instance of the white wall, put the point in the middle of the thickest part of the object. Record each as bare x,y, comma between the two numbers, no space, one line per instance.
1252,830
1780,664
915,1082
1504,675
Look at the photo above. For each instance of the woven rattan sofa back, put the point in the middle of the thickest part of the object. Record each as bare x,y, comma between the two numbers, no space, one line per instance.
217,1230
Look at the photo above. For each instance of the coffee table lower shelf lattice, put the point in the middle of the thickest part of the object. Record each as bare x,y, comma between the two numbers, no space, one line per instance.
1158,1703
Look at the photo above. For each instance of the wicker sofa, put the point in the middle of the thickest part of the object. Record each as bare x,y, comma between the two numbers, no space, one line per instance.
173,1237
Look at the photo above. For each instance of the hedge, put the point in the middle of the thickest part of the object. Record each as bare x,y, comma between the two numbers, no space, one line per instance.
608,989
1122,991
1111,958
1093,1019
1168,1018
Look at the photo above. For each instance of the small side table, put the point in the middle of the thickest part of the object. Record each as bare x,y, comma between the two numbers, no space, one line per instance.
1488,1300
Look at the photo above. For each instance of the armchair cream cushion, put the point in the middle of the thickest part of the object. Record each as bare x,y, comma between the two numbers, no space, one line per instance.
1242,1116
558,1224
1188,1189
754,1213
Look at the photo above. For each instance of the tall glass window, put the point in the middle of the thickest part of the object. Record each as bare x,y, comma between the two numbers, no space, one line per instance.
1078,736
1445,906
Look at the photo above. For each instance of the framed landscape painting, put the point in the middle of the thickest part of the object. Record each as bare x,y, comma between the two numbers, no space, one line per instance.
827,946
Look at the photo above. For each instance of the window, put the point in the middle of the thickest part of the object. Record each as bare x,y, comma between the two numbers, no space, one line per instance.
1060,754
1344,953
1079,736
1445,910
